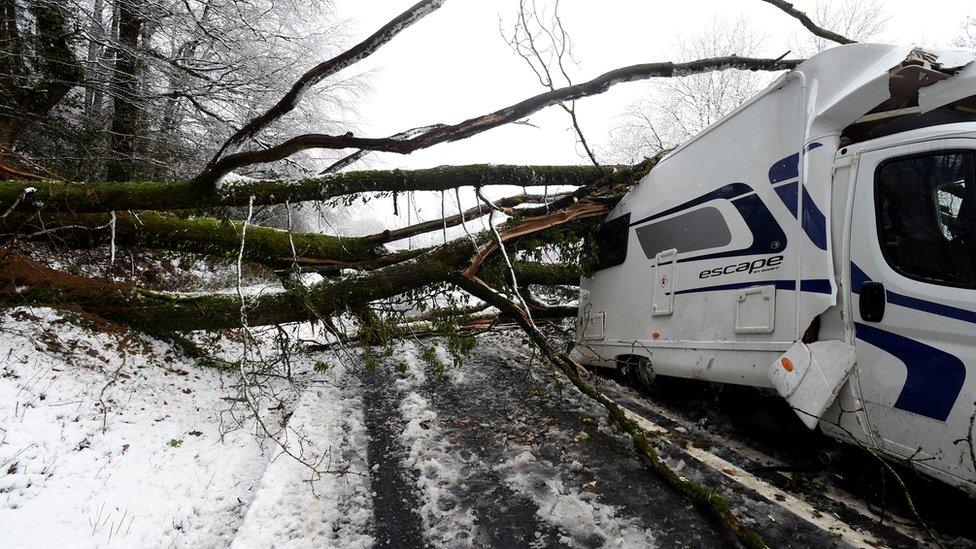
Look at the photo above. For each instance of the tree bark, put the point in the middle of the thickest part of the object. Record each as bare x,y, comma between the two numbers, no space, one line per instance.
57,196
31,91
468,215
805,20
125,93
26,282
93,77
442,133
201,235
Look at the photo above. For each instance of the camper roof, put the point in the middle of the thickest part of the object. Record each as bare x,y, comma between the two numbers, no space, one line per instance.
857,89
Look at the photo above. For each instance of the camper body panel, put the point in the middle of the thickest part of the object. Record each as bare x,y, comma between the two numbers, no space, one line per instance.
729,204
761,234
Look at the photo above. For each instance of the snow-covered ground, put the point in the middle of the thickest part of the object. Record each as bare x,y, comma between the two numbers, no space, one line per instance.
115,439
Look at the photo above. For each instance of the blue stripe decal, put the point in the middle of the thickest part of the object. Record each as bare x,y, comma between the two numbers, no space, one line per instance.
767,235
814,221
934,379
789,167
817,286
930,307
728,192
787,193
859,277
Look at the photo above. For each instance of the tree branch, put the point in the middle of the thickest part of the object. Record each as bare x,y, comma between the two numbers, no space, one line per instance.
474,126
805,20
325,69
203,235
455,220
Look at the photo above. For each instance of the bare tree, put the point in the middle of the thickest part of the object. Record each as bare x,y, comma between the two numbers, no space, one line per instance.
38,67
856,20
677,109
155,87
967,38
542,41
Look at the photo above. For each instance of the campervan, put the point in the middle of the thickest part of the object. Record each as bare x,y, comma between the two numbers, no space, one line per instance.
819,241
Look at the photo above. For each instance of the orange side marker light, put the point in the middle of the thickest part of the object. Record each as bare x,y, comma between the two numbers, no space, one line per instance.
787,364
656,335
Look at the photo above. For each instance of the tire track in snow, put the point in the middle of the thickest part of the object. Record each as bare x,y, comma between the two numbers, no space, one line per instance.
477,417
467,504
585,520
437,467
397,522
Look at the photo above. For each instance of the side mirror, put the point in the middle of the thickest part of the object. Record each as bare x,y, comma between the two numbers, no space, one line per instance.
873,301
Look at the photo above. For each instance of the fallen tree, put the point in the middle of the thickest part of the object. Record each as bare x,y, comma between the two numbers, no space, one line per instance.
66,196
26,282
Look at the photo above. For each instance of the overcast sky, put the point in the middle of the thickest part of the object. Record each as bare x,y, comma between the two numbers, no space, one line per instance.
454,64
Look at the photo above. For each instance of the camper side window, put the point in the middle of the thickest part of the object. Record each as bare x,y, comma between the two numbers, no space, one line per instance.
611,242
927,217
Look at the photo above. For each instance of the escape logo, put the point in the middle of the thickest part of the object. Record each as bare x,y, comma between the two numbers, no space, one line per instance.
749,267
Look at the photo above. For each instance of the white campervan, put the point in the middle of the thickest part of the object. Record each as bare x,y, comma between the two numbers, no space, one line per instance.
820,240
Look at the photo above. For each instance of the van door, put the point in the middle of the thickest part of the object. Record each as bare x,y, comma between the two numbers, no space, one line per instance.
913,279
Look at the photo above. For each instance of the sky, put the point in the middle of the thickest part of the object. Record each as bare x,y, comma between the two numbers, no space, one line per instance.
455,64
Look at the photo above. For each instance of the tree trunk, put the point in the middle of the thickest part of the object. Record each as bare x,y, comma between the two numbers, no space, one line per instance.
96,38
35,89
125,93
25,282
51,196
208,236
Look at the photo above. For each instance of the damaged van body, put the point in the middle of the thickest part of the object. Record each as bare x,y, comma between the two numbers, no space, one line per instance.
819,241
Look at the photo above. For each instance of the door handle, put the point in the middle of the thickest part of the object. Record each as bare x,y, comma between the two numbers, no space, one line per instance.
873,301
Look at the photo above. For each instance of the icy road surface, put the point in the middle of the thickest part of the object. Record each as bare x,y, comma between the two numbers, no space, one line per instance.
118,440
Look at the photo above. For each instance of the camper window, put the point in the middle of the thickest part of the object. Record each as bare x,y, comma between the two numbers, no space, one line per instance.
611,242
927,217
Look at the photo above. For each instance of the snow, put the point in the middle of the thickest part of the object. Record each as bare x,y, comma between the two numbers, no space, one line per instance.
436,462
232,180
110,438
327,507
153,466
580,514
114,439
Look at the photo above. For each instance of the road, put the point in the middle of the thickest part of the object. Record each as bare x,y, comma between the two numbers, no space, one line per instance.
507,454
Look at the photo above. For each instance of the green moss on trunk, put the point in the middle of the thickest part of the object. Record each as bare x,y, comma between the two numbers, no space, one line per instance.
141,195
204,235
